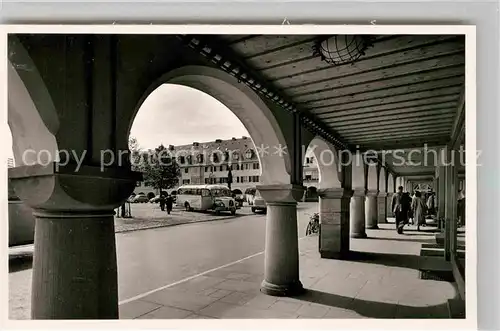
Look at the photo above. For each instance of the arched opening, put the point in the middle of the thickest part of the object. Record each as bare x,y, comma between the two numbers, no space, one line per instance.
321,164
194,154
253,113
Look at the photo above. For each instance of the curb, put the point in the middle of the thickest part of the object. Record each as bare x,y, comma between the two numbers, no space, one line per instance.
181,223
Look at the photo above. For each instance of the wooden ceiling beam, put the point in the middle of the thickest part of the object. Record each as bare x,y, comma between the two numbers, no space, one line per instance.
421,138
381,47
430,75
390,121
394,61
389,100
415,68
363,113
404,144
458,127
389,92
389,106
398,132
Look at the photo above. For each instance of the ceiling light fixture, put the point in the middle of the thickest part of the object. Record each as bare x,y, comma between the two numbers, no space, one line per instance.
341,49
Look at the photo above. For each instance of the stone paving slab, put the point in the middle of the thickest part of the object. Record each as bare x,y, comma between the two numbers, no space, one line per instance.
379,284
381,281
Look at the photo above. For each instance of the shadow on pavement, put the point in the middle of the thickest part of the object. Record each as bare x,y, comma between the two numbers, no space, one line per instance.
405,238
20,263
373,309
387,259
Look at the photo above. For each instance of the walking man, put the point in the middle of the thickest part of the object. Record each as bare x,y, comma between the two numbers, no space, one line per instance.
400,208
162,202
169,202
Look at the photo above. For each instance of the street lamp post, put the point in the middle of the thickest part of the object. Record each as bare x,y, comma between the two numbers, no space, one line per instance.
229,178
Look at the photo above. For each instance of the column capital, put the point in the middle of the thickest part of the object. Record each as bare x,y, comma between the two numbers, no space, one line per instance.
281,193
371,193
333,193
74,189
358,193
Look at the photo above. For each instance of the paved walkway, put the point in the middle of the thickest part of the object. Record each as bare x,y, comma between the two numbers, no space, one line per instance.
382,282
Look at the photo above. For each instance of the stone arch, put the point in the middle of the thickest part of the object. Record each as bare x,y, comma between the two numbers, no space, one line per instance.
382,181
390,183
371,179
330,175
250,109
32,116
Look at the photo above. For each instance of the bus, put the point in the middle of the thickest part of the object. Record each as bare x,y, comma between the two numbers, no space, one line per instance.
216,198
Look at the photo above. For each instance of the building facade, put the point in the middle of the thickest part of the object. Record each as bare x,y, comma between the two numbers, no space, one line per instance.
209,163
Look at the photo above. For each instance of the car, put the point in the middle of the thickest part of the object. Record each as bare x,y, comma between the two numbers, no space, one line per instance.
140,198
259,205
156,199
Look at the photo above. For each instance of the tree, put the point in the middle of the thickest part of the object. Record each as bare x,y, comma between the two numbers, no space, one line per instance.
160,169
135,154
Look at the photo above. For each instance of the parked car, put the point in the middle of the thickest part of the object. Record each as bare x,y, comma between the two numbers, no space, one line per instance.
156,199
140,198
21,220
259,205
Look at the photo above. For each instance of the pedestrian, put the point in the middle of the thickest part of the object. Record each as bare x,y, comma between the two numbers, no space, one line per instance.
461,208
410,213
431,204
418,207
169,202
162,201
406,208
397,209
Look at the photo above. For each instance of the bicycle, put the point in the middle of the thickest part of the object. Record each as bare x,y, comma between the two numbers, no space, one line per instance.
313,225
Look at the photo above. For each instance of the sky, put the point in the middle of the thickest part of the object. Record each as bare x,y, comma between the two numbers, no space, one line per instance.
175,115
179,115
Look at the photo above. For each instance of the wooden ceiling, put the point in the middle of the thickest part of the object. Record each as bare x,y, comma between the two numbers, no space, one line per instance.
403,92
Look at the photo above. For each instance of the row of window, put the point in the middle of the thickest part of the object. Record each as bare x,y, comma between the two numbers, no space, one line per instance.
205,192
215,157
247,179
225,167
223,180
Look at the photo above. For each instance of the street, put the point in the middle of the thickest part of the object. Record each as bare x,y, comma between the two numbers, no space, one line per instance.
152,258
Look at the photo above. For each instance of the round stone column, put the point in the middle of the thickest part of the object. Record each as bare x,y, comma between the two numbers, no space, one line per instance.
357,214
371,213
281,265
388,200
74,266
382,207
74,261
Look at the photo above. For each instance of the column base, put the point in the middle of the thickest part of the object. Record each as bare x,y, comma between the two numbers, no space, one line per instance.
282,290
359,235
372,227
